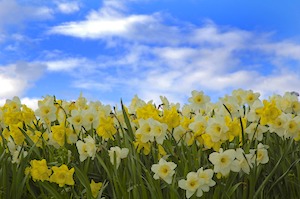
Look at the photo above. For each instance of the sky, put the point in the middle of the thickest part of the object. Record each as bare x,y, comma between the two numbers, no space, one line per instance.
114,49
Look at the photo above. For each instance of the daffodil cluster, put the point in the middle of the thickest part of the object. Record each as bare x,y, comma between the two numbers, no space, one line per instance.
90,145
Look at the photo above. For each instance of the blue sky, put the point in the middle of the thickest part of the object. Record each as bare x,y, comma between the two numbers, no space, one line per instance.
114,49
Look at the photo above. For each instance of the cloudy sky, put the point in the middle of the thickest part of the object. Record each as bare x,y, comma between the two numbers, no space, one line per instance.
114,49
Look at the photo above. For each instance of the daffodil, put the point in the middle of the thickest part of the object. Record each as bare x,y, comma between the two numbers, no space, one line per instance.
39,170
171,117
244,160
59,134
255,130
292,126
144,130
224,161
47,110
86,148
116,154
76,119
205,179
164,170
62,175
260,155
269,112
279,125
198,100
95,187
158,130
191,184
217,129
180,134
90,118
106,128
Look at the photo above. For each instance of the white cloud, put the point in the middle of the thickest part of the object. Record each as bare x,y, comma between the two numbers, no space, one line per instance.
11,86
172,60
30,102
112,21
90,85
97,25
68,7
282,49
16,78
12,12
66,64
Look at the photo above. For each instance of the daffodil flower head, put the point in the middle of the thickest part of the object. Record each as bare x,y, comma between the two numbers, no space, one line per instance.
116,154
217,129
58,134
198,100
191,184
90,118
164,170
87,148
76,119
47,110
39,170
244,160
206,181
292,126
158,130
260,155
145,131
62,175
224,161
95,187
257,130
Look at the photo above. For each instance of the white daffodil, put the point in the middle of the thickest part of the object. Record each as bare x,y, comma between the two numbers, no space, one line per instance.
46,110
90,119
278,125
198,100
252,115
87,148
158,130
260,155
76,119
217,129
224,161
292,126
198,126
191,184
164,170
14,104
145,130
116,154
17,152
256,130
206,181
180,133
136,102
244,160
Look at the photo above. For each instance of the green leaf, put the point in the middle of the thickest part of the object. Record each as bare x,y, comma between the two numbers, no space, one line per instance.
284,174
51,190
127,122
32,144
83,180
233,188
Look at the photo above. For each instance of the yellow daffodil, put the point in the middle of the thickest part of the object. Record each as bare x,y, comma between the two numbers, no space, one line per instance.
95,187
39,170
62,175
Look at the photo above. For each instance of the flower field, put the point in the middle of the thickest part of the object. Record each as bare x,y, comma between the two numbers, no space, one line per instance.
238,147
